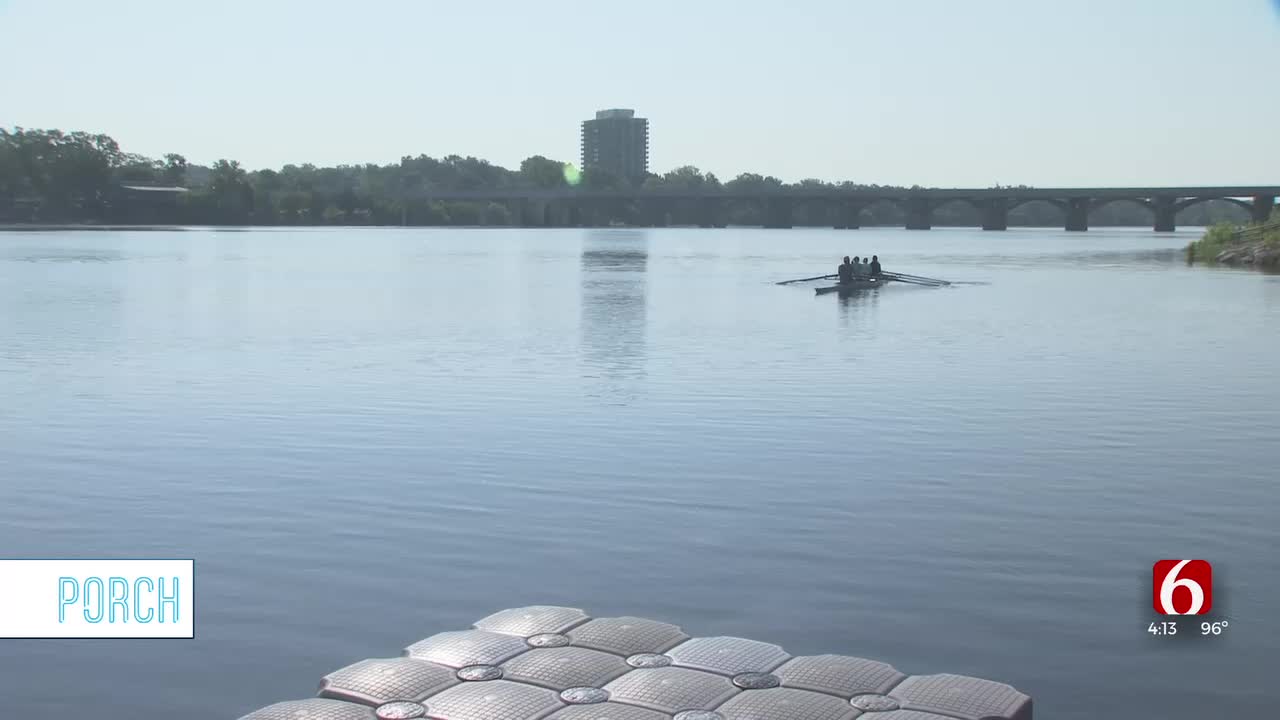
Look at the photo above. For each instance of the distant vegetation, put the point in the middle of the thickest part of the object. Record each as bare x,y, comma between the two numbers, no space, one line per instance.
1215,240
1257,244
51,176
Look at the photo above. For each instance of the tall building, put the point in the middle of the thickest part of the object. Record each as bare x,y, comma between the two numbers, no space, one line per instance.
618,142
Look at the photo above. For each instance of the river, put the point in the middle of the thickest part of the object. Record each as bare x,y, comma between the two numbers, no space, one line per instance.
366,436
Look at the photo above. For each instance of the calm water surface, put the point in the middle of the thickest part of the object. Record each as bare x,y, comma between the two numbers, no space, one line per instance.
365,437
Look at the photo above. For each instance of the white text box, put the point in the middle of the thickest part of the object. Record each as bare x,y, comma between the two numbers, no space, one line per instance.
97,598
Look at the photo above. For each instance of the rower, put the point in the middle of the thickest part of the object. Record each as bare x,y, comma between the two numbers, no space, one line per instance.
857,268
845,271
875,266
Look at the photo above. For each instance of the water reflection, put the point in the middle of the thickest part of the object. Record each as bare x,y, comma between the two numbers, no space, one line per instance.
613,311
66,255
1016,431
1146,258
856,307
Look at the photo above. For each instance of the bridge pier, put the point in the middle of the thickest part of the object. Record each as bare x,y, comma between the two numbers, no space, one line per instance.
847,213
1263,206
516,211
1078,214
562,213
711,213
995,214
588,210
777,212
817,212
553,214
1166,211
919,214
538,214
602,211
656,212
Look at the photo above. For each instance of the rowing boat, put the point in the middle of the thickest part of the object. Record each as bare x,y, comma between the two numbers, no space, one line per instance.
851,286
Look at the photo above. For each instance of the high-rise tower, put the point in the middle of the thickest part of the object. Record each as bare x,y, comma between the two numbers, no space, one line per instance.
617,142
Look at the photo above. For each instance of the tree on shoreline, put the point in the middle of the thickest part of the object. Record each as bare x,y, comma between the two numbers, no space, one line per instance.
53,176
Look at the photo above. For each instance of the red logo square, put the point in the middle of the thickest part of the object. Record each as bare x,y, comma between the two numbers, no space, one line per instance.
1182,587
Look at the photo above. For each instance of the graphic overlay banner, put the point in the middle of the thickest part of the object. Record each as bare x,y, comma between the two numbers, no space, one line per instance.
97,599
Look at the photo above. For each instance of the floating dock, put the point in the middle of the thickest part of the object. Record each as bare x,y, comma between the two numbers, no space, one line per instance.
558,663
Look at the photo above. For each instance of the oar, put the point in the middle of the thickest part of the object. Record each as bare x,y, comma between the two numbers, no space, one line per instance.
819,277
915,279
910,281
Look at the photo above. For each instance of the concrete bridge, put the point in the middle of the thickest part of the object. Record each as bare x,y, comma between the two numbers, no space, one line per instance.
568,206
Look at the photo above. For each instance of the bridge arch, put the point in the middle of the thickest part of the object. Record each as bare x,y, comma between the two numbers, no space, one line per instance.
1037,212
1100,203
1190,202
1097,211
1016,203
883,211
974,203
1247,210
969,211
816,211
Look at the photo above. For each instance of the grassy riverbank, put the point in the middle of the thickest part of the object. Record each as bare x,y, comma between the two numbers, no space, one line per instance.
1256,245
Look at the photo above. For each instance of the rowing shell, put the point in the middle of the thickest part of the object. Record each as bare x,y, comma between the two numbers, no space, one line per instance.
849,287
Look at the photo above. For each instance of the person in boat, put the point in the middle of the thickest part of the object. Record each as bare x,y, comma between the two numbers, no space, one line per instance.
845,271
856,270
875,266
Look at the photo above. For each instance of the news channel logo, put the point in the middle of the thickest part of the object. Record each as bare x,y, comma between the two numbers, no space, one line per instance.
1182,587
1182,595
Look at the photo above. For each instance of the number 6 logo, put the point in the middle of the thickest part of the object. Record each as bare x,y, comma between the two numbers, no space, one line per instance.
1194,577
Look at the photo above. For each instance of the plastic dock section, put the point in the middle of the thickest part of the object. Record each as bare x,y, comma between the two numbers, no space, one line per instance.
557,663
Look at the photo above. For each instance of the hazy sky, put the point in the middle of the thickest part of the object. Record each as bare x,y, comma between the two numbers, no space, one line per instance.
934,92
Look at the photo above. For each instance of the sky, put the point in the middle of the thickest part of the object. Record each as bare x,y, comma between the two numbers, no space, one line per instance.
929,92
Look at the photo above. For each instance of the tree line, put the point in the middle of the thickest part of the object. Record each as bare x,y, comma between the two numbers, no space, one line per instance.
51,176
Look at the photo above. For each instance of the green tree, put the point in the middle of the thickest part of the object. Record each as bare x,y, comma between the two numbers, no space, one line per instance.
496,214
688,177
136,168
333,216
51,175
814,184
231,192
174,170
601,179
291,205
540,172
67,175
751,182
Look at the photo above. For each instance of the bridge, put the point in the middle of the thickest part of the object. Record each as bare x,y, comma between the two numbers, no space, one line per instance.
569,206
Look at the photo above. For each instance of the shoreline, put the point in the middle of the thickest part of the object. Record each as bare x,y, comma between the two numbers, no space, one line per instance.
1251,246
56,227
119,227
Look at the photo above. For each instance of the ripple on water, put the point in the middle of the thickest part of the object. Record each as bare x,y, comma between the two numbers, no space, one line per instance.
362,436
